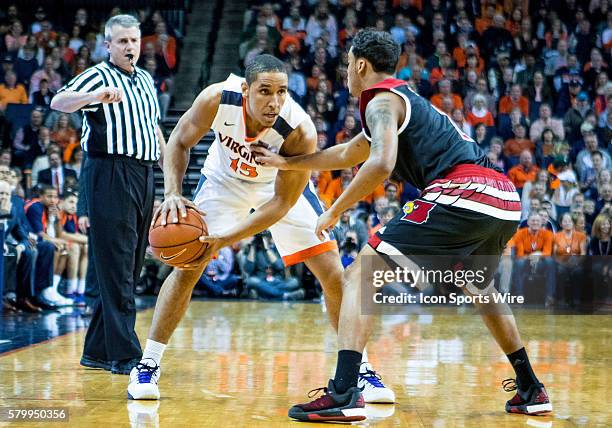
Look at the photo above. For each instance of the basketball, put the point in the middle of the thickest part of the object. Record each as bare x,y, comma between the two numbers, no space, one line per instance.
177,243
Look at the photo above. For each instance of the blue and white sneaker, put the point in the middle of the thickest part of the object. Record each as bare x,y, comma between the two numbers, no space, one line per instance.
143,381
372,387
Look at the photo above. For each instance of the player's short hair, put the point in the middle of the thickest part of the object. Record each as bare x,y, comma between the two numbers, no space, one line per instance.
264,63
379,48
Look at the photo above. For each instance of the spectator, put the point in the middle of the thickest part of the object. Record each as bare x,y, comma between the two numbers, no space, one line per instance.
348,131
575,116
56,175
564,194
495,153
321,20
482,136
601,248
554,59
218,280
19,289
64,135
523,172
604,201
545,120
337,186
569,242
349,248
584,159
42,97
385,215
165,44
47,73
444,87
583,40
11,91
76,247
5,158
43,218
265,273
348,222
482,88
421,83
516,99
507,122
15,39
588,176
534,246
445,70
479,112
75,162
538,93
26,65
26,142
46,37
39,15
600,244
297,81
515,146
545,148
42,162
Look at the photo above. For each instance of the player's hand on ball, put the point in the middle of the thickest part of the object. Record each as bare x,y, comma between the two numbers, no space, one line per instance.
266,157
108,95
173,208
326,221
213,244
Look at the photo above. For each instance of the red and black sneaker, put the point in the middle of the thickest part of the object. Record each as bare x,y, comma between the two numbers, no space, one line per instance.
331,406
533,401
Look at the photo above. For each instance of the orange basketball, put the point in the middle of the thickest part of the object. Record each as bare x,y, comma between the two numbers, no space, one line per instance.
178,243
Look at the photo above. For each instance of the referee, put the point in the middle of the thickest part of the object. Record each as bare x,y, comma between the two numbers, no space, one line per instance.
123,140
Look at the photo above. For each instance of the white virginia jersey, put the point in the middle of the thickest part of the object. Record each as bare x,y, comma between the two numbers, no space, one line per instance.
229,155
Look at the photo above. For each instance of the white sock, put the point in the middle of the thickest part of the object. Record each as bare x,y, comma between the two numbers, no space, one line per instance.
72,286
364,359
56,280
81,286
153,350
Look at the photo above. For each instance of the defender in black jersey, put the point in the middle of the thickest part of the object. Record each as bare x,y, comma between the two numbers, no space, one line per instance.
466,207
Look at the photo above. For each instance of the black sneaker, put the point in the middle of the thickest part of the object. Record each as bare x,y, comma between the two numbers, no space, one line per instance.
533,401
95,363
124,366
331,406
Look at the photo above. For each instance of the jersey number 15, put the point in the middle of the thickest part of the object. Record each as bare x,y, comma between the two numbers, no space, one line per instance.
243,168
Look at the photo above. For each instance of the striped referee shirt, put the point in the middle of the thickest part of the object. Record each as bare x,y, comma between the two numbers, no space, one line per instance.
126,128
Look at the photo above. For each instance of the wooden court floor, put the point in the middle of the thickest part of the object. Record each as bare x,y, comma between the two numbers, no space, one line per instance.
242,364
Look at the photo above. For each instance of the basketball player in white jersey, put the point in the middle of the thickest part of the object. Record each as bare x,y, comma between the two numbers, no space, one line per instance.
240,112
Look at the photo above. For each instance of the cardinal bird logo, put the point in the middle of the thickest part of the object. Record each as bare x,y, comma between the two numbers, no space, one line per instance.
417,211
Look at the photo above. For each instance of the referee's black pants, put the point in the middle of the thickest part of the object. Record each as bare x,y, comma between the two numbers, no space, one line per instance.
120,194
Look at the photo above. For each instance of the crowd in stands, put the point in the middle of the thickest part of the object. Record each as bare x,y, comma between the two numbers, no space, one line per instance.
45,250
528,81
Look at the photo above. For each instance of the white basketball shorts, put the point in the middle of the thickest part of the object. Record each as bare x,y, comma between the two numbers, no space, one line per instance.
228,201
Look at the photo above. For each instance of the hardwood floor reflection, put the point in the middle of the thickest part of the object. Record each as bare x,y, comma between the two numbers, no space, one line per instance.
237,364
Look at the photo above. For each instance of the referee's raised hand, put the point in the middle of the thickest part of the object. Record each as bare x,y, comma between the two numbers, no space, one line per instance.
108,95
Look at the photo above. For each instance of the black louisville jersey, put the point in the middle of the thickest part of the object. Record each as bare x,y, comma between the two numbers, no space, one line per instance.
430,143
